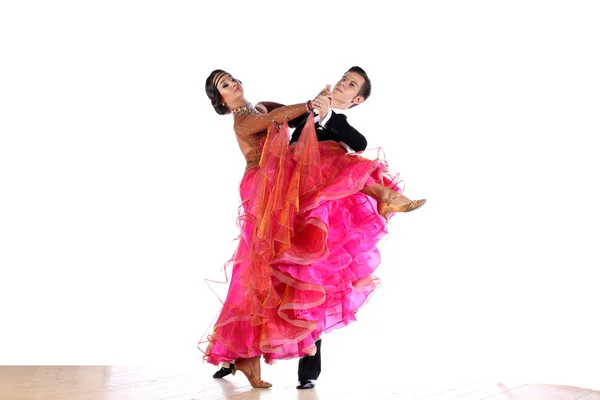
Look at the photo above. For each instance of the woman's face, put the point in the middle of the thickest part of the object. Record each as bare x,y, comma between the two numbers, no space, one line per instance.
230,89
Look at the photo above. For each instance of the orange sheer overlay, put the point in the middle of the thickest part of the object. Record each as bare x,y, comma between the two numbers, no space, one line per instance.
307,248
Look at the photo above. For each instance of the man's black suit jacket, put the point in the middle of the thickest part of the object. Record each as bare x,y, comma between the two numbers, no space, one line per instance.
337,129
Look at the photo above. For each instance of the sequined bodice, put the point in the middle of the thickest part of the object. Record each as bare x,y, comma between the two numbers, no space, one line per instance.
251,127
253,141
249,141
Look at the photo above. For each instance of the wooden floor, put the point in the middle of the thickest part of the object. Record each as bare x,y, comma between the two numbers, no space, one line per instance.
196,382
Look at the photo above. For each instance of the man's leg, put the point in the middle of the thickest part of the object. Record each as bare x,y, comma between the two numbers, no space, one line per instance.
309,369
224,371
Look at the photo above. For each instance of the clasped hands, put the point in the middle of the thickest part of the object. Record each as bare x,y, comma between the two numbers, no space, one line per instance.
322,102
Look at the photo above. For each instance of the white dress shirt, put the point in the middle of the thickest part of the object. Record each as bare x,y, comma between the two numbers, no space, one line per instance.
324,121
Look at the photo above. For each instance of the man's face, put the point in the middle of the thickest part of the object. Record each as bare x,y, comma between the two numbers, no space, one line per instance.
346,90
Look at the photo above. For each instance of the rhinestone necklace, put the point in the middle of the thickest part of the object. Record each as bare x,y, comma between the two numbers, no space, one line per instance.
245,110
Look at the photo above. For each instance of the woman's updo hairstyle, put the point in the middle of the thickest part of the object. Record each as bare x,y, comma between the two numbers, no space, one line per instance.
213,93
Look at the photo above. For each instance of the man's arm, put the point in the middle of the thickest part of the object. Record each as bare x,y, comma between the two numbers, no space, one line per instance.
338,125
294,123
298,124
268,106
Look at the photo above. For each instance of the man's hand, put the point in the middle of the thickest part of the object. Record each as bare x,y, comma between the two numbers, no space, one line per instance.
322,101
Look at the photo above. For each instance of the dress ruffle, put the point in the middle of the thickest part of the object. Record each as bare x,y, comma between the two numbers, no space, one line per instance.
307,249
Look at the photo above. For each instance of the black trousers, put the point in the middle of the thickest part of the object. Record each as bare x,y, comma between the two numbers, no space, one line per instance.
309,367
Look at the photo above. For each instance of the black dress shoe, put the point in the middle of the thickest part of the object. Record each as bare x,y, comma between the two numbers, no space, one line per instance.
223,372
309,384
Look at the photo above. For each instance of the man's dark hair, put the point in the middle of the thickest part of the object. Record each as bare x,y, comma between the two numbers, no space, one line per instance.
365,90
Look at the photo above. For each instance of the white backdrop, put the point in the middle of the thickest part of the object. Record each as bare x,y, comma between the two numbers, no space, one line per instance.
119,182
